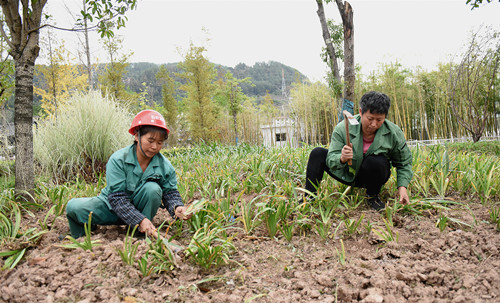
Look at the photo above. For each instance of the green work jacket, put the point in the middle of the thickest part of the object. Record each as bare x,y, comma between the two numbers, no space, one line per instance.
124,174
389,141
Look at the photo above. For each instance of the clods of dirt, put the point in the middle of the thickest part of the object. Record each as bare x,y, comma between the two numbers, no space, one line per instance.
457,265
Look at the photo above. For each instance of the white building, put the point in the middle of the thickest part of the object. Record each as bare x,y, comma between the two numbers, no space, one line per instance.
280,133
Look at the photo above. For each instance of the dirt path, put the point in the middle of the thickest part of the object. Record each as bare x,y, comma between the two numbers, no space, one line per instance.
460,264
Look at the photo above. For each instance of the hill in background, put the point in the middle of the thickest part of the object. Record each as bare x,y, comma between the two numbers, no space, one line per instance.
141,77
266,77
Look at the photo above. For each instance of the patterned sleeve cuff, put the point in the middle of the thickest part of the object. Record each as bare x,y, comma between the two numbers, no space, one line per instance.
171,200
124,209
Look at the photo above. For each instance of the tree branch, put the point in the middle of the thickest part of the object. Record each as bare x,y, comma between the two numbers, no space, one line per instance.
4,35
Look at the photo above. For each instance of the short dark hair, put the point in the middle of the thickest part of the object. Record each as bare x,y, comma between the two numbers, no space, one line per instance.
375,102
143,130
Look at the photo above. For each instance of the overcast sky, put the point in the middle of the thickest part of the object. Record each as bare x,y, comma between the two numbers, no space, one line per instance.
288,31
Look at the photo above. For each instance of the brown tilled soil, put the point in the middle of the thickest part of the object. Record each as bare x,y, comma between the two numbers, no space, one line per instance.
461,264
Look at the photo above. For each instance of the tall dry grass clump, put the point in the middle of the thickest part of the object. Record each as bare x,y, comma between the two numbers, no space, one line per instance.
88,129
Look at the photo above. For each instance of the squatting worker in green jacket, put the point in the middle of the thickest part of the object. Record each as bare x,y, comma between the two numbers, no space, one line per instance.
139,179
376,144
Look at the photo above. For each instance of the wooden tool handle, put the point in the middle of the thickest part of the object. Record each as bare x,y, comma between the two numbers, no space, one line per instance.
348,138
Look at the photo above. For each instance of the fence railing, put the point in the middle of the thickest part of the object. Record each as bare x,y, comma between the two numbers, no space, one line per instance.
450,140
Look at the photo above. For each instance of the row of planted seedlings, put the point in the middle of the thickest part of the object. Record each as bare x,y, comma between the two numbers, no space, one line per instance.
258,193
16,237
439,172
253,191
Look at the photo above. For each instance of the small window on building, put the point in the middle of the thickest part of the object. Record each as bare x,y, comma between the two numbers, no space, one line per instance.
280,137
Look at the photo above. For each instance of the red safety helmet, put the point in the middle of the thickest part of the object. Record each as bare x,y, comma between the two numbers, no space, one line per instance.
148,117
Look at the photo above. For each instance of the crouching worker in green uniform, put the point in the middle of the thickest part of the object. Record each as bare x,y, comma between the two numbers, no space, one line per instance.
376,145
139,179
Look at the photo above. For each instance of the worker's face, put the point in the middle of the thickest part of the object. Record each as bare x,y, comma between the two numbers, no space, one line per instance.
370,123
151,143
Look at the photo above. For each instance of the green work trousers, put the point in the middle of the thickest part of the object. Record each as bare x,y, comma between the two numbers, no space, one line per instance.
147,199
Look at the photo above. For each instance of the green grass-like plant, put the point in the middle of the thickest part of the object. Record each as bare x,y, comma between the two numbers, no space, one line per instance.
388,234
127,254
287,228
251,212
162,254
442,222
368,226
322,224
144,265
56,195
12,235
341,255
351,225
495,217
209,247
271,220
87,243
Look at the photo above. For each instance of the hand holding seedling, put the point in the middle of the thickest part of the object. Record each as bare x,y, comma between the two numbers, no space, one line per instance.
147,227
180,212
403,195
346,153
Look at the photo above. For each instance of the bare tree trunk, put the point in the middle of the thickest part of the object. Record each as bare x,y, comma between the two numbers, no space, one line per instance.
24,25
328,41
234,113
87,47
53,76
345,10
346,13
235,120
23,121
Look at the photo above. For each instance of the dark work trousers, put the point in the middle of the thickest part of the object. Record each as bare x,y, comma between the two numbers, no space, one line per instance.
374,172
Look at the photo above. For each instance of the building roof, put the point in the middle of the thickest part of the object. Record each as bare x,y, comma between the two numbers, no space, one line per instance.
279,122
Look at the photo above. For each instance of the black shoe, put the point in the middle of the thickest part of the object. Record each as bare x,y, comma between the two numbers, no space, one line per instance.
376,203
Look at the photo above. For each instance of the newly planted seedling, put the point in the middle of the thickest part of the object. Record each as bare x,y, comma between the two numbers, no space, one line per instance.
388,234
209,248
251,212
161,252
129,250
326,211
341,255
12,235
442,222
144,265
87,243
271,220
287,228
495,217
55,195
443,165
368,226
351,225
483,181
